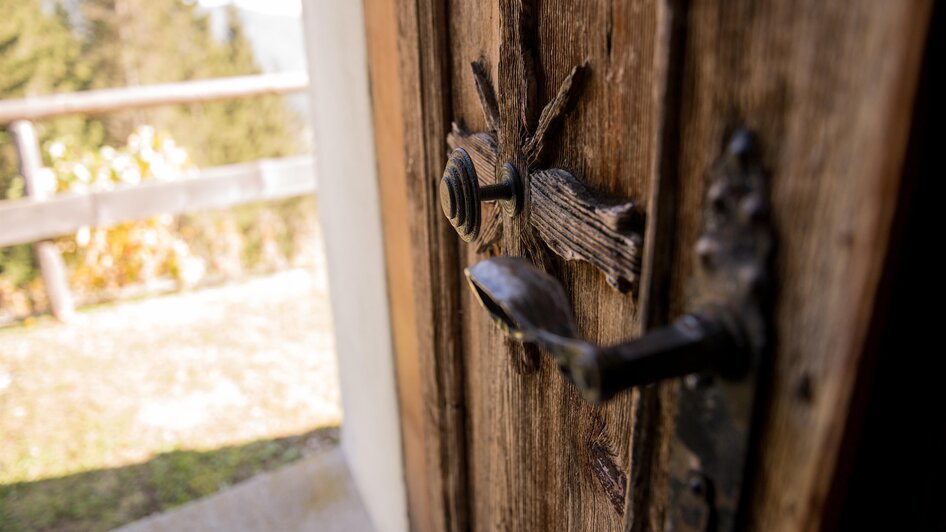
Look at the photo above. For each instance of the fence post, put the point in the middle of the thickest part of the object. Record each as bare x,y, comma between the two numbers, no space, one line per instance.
50,261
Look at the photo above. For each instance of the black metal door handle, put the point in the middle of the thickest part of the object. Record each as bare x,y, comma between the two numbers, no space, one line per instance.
724,332
533,307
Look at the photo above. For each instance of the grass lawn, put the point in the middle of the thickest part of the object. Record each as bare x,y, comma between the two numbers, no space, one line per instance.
141,406
106,498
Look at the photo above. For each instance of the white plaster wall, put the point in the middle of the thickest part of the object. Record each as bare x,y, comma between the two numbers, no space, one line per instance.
350,214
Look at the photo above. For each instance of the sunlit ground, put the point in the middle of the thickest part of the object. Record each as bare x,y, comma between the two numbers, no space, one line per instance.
139,406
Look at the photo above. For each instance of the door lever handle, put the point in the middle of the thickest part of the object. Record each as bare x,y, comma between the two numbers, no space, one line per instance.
725,332
532,307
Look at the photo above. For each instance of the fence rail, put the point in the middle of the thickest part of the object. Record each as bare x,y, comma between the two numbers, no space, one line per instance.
105,100
40,217
29,220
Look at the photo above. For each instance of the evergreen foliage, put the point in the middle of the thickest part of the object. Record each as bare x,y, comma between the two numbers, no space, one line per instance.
142,42
39,54
54,46
49,46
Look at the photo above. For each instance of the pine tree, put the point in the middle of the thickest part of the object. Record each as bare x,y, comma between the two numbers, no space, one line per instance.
139,42
92,44
117,43
40,55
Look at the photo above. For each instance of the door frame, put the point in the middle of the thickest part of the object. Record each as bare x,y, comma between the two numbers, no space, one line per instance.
349,212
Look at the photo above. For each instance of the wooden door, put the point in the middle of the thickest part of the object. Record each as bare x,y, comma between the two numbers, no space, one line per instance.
495,438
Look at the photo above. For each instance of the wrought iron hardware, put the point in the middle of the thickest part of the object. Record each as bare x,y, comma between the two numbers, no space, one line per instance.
531,306
723,333
573,221
461,193
719,345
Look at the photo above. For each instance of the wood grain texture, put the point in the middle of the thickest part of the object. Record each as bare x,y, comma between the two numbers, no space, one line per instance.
579,225
484,88
482,150
828,89
425,99
553,113
571,220
645,505
510,445
387,113
28,220
540,458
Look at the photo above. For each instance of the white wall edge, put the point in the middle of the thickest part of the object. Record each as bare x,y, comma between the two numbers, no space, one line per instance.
350,213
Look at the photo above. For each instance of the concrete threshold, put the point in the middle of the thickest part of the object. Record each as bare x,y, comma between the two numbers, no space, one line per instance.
314,494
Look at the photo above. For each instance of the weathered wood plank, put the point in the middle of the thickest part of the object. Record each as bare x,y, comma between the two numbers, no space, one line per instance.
484,89
552,114
645,505
105,100
425,98
828,89
666,80
28,220
47,254
578,225
384,67
540,457
482,149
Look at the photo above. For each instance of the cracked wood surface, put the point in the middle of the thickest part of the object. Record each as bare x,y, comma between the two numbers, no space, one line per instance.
579,225
540,458
508,444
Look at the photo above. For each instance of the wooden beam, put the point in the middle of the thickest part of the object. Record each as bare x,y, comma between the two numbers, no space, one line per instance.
31,219
541,457
384,69
653,419
47,254
105,100
425,94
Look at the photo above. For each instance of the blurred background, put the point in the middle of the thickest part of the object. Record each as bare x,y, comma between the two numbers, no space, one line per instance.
185,345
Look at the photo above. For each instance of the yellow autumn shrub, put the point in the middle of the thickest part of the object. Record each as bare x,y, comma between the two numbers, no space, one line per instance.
132,252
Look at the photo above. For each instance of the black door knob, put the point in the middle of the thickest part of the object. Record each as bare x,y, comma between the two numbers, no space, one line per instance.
461,193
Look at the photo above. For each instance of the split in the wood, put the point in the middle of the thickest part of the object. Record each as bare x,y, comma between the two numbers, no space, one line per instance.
484,89
553,112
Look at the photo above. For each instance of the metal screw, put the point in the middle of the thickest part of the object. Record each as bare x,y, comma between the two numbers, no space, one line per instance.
697,484
461,193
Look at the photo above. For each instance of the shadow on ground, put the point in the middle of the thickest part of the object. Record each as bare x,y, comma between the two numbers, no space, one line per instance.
106,498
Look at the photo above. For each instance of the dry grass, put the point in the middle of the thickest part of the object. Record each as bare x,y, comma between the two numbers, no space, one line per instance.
143,405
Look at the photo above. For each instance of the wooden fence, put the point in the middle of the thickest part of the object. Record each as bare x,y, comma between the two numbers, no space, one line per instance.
105,100
39,216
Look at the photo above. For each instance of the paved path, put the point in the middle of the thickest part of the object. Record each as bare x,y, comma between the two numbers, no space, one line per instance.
315,494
